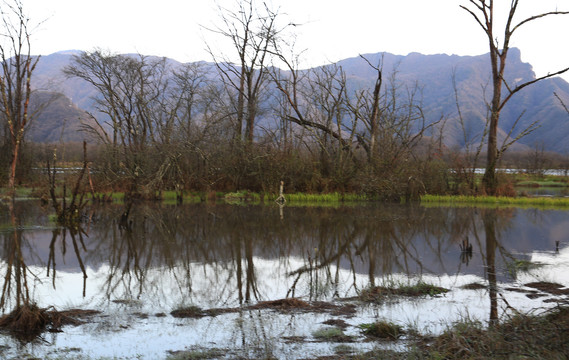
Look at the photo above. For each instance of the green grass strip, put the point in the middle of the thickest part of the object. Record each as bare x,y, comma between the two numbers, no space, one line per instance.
549,202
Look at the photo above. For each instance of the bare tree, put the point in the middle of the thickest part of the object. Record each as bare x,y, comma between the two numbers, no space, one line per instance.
483,12
252,31
136,99
15,80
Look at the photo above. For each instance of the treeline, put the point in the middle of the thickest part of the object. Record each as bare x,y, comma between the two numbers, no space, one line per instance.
254,125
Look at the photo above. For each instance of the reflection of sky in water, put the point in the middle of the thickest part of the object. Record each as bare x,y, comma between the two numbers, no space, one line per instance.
120,333
432,256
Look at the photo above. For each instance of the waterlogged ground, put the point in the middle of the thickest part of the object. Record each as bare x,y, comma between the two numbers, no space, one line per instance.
269,282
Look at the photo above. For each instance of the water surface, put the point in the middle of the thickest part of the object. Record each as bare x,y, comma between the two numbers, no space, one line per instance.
137,269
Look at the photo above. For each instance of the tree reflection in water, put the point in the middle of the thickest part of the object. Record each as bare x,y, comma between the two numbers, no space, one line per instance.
15,285
79,248
26,320
221,255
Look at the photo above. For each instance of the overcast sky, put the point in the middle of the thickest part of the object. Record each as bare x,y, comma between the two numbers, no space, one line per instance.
331,29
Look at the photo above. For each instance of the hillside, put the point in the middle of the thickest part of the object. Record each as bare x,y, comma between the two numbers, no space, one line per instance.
57,119
432,73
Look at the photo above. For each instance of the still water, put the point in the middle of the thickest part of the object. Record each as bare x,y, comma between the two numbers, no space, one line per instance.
137,269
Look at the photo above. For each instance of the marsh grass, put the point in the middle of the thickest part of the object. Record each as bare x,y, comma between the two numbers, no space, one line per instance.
197,354
188,312
108,197
242,196
28,321
519,265
521,336
171,197
540,202
382,330
331,334
20,192
343,349
380,293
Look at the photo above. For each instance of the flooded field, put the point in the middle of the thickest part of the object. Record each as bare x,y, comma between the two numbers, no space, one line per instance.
230,281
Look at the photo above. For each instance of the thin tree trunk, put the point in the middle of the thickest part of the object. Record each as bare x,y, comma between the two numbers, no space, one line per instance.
13,163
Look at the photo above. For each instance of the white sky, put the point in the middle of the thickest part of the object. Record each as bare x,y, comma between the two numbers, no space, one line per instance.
331,30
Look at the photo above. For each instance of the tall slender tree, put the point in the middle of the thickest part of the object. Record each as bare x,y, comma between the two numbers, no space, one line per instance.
252,32
15,78
484,13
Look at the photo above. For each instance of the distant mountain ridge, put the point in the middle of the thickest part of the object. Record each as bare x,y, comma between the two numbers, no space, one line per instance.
472,73
432,73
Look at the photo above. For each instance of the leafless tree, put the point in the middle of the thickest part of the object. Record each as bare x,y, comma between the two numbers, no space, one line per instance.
252,32
143,102
483,13
18,65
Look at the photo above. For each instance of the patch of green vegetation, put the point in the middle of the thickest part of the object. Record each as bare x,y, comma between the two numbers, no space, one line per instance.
171,197
331,334
21,192
343,349
110,196
241,197
420,289
330,198
520,265
539,202
52,218
382,330
542,183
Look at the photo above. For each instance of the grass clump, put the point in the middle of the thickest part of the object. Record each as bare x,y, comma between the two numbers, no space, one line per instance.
541,183
196,354
545,202
188,312
521,336
379,293
382,330
343,349
520,265
28,321
331,334
241,197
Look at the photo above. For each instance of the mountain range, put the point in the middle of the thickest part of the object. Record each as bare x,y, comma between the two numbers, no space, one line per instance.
432,74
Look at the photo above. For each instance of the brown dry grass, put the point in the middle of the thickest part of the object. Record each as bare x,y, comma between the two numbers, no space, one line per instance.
522,336
26,322
379,293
